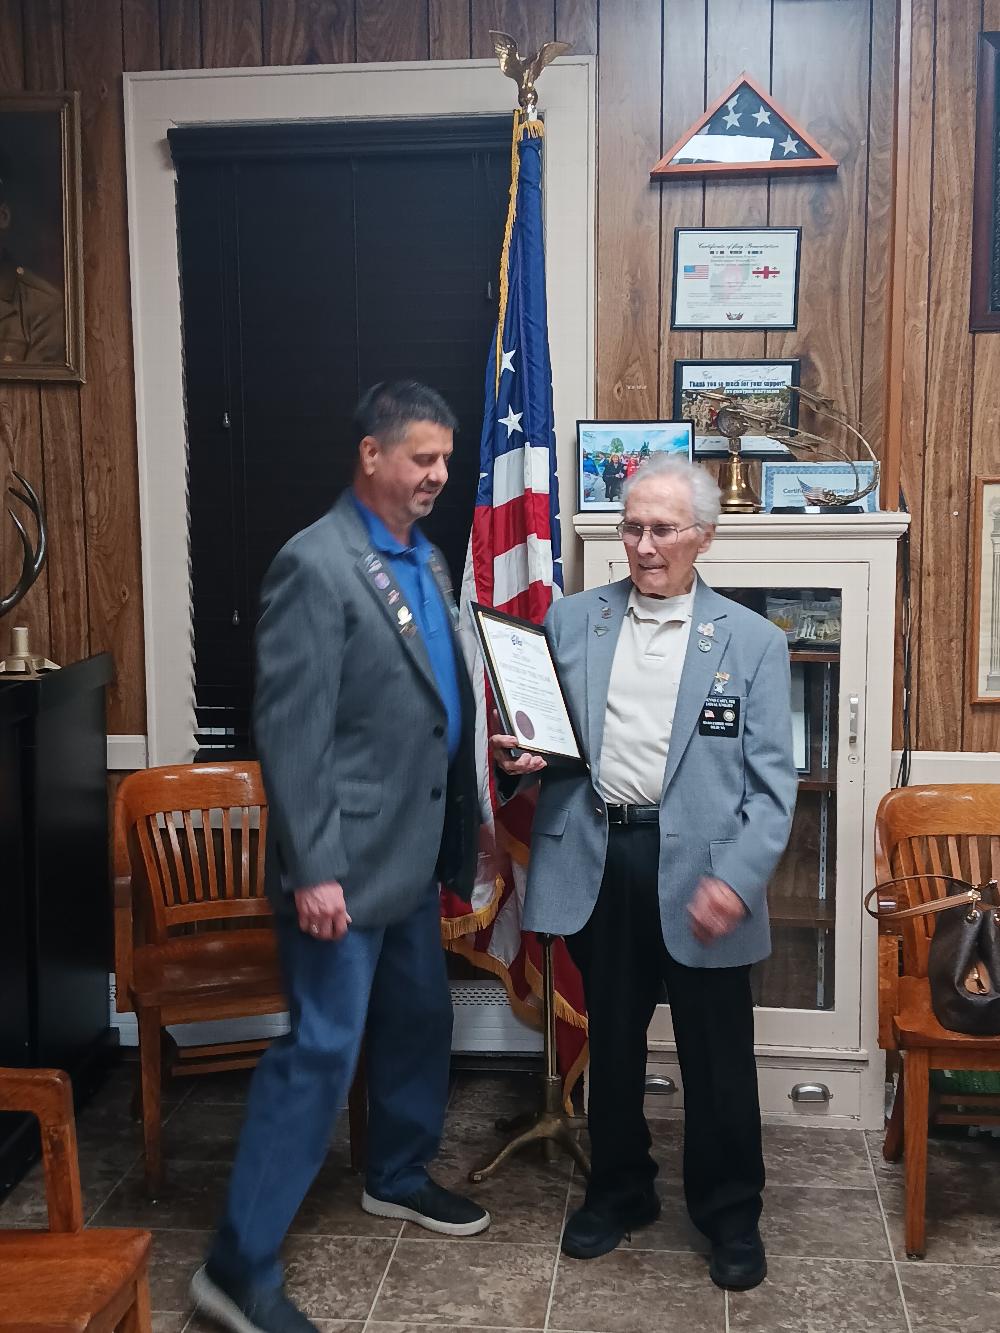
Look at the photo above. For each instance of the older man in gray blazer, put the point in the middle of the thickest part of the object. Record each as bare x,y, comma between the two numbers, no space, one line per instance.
363,717
654,864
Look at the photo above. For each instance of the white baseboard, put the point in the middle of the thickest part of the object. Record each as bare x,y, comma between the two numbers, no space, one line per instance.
932,766
484,1024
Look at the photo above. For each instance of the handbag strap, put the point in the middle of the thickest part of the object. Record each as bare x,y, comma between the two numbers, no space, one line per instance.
971,896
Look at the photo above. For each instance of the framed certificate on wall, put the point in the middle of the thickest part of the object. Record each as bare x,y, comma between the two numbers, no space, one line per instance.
736,278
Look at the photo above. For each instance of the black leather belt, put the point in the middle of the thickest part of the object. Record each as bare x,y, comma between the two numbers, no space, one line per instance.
633,814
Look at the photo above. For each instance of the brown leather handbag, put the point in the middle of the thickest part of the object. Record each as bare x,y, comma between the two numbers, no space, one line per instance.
963,965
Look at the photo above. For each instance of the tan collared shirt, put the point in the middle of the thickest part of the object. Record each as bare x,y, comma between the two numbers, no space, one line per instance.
31,317
642,697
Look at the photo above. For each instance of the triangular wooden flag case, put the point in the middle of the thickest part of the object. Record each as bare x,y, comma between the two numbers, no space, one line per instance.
743,133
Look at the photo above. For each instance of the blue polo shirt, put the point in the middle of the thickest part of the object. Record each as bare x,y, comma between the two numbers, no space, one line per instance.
411,569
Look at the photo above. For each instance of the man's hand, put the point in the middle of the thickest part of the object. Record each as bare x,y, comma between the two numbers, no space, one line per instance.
322,911
501,747
715,910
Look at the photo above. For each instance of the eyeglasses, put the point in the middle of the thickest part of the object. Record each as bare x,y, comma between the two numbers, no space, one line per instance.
663,534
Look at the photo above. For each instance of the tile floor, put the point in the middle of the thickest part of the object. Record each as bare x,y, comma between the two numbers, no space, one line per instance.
832,1224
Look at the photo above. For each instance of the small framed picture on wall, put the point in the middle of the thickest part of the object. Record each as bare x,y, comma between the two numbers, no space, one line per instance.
984,650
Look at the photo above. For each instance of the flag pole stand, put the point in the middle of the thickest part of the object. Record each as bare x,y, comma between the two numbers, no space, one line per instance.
549,1125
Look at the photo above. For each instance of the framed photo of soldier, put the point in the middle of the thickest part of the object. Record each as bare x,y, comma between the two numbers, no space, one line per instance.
41,244
736,278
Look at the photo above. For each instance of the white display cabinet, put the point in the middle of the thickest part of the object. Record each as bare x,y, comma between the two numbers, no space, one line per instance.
816,996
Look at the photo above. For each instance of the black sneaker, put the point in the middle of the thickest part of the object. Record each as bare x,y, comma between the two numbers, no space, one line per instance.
243,1310
434,1208
591,1232
738,1265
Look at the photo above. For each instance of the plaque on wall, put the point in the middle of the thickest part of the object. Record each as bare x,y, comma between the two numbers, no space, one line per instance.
736,278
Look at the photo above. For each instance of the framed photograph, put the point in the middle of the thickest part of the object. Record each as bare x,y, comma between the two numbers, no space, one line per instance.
612,451
800,717
736,278
984,309
41,259
763,385
984,653
795,485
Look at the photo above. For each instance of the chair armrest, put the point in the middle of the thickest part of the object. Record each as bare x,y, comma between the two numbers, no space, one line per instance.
124,943
888,988
48,1095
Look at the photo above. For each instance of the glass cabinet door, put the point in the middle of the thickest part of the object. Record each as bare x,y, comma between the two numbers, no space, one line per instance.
807,991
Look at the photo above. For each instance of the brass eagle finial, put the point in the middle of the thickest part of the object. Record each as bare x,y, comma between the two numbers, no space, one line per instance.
524,70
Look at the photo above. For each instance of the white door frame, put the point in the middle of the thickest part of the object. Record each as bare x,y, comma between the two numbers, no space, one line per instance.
156,101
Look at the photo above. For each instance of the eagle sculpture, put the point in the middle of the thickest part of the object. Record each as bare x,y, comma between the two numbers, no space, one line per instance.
524,70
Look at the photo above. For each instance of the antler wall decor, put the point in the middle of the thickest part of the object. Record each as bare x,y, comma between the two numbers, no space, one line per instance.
33,555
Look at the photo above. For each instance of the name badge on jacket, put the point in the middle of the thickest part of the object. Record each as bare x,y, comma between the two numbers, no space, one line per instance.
720,716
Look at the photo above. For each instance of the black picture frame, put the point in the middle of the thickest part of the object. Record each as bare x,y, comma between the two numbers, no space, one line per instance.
984,305
736,325
616,429
479,614
750,451
41,237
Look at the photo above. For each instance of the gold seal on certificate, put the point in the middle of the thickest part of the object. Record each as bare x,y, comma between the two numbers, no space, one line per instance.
526,685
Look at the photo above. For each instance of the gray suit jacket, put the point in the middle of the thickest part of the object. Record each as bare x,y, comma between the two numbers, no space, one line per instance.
351,732
726,806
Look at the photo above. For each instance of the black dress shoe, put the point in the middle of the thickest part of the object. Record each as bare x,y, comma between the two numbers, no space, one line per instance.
738,1265
591,1232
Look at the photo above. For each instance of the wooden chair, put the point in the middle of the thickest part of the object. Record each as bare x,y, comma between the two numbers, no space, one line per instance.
948,830
65,1279
193,935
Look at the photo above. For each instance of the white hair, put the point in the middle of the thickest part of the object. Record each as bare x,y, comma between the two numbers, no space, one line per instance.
706,500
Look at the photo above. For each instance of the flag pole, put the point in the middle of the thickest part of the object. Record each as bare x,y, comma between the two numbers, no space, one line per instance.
550,1125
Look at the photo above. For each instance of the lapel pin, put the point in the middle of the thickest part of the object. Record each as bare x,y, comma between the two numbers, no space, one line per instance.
606,613
704,646
404,616
381,581
708,630
392,596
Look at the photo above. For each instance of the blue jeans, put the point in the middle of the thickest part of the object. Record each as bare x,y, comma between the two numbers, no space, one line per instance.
393,978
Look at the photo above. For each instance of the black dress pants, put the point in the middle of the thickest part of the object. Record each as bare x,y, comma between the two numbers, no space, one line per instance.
624,963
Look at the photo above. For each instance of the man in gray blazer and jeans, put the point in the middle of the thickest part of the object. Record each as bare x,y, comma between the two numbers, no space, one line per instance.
363,719
654,864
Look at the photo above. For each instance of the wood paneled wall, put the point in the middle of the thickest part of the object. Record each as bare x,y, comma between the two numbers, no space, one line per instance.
830,62
951,378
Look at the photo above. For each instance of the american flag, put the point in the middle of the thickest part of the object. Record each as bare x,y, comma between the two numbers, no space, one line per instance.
746,128
696,270
514,566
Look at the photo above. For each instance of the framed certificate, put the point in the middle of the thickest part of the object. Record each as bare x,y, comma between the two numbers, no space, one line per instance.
736,277
526,686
